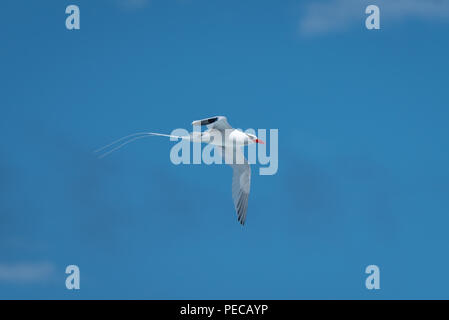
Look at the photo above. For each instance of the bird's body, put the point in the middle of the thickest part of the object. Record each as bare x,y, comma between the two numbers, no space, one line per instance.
227,137
228,141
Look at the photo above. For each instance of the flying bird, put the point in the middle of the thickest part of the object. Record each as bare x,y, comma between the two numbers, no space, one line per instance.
226,140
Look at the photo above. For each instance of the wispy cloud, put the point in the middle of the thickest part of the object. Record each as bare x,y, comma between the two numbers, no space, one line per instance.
321,17
26,272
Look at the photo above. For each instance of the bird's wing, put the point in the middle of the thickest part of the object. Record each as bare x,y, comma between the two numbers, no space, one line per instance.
218,123
241,181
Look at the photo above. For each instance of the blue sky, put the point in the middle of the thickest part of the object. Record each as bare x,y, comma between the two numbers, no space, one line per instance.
363,149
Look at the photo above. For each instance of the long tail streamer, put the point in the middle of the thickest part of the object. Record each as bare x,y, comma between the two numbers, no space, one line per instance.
103,151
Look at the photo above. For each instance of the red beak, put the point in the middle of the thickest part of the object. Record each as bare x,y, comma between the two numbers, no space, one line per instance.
259,141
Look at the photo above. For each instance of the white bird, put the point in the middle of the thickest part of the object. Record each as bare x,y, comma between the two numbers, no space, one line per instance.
228,141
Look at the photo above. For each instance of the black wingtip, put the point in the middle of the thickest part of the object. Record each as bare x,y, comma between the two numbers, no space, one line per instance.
205,122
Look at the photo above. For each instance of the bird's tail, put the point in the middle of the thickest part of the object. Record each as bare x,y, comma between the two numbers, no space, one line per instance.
119,143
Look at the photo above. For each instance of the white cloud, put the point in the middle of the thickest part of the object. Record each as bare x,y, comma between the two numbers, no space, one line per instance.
26,272
338,15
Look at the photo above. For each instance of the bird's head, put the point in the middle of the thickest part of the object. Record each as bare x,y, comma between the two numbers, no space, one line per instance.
254,139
